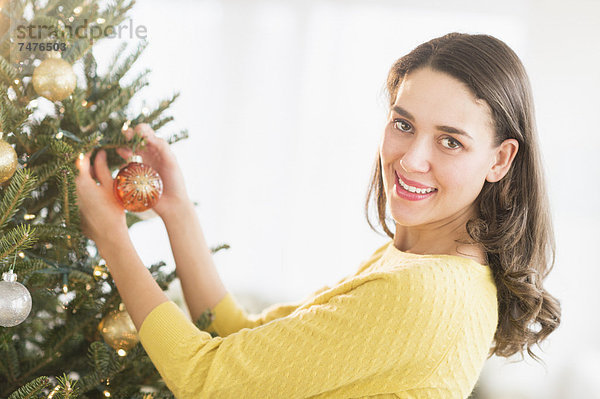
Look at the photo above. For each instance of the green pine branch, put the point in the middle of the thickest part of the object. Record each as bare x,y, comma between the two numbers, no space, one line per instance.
14,116
24,266
32,389
118,70
55,233
18,238
181,135
8,73
66,388
39,217
21,185
10,358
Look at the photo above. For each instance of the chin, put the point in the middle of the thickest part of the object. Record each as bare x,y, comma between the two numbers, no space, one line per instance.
406,218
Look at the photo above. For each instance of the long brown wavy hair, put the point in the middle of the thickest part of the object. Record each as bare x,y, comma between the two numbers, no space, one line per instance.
513,225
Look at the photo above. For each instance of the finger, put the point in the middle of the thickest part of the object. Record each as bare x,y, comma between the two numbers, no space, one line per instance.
102,171
128,134
124,152
144,130
83,165
92,171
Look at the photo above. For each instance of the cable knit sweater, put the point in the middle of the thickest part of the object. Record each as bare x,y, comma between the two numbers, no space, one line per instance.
403,326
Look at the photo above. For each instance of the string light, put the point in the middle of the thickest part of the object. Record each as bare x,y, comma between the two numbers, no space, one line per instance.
106,393
59,135
17,81
56,389
100,272
65,288
22,255
77,10
100,20
29,216
122,352
84,103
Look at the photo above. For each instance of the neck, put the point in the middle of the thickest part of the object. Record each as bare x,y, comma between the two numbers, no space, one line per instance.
435,238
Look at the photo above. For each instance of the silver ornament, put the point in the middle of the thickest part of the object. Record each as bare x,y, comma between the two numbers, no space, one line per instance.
15,301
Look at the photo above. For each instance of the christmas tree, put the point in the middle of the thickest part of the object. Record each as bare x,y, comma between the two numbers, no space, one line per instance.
63,330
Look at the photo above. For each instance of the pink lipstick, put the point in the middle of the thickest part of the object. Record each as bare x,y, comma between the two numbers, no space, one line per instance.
403,192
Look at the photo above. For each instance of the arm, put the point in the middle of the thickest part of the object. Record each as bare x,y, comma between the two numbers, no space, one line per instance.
365,328
135,284
103,221
230,317
202,287
200,282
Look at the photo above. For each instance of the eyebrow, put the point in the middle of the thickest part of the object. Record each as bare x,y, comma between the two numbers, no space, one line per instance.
448,129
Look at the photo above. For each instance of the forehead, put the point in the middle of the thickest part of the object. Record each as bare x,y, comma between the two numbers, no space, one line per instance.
437,98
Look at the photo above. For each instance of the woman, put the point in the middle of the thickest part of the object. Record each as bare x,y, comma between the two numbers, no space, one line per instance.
459,169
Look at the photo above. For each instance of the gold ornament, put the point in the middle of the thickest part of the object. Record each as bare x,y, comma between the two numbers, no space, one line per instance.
8,160
54,79
4,21
118,330
100,272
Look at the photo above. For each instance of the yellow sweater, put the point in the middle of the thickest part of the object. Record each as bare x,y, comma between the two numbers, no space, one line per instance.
403,326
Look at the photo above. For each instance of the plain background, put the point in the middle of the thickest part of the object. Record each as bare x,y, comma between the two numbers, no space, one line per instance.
285,107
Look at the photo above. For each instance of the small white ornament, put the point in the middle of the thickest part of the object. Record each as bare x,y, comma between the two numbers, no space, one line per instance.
15,301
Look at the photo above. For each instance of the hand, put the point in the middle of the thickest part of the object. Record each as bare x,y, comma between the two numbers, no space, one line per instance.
102,216
159,156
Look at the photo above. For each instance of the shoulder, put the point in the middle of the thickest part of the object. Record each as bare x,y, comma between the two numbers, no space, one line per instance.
443,280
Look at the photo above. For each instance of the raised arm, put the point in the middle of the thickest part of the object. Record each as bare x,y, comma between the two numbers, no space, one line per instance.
202,287
201,284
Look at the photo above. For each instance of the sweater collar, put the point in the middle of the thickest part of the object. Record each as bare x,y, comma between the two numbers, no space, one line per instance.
392,255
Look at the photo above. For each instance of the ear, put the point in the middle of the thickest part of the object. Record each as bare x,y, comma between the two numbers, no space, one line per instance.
505,153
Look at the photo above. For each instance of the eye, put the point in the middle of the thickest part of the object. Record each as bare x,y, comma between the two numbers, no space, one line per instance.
452,143
402,125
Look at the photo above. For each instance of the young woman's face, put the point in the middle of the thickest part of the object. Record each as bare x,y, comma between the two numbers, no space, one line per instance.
438,141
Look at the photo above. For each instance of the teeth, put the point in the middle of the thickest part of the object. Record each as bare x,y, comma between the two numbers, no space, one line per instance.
415,189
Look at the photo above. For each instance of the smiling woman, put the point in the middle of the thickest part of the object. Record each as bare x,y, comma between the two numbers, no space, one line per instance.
462,127
418,318
430,153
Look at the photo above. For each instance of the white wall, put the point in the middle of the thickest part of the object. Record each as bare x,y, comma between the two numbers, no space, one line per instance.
285,109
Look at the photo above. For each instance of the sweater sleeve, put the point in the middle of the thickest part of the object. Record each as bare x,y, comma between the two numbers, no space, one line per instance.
360,329
230,317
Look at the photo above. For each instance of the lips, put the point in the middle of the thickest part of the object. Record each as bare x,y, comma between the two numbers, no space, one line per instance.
412,182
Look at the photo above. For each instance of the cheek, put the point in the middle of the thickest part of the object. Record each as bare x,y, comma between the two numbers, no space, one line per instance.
388,152
385,147
463,176
389,148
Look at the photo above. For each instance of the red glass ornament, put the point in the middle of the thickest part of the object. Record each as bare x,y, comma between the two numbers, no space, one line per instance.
137,186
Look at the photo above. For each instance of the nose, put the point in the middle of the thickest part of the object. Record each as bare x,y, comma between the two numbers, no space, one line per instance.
416,159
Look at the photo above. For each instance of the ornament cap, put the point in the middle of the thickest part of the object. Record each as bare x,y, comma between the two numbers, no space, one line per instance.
9,276
135,158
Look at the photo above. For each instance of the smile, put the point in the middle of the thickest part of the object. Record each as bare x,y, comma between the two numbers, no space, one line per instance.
413,189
